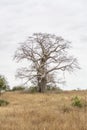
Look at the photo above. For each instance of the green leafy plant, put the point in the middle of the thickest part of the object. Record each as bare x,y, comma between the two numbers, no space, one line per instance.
3,84
76,101
3,102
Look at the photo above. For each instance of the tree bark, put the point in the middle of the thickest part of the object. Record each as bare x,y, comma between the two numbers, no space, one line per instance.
42,85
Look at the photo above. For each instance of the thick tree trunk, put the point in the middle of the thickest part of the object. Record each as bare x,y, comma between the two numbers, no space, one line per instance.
42,78
42,86
39,87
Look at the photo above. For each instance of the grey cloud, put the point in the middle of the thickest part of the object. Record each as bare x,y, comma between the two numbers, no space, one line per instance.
84,39
20,18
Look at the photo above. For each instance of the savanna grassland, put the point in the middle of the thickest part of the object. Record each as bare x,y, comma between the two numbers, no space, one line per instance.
49,111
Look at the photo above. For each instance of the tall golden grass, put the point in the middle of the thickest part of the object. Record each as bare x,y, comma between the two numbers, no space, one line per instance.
42,112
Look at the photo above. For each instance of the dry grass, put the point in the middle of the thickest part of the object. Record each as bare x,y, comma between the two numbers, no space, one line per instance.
42,112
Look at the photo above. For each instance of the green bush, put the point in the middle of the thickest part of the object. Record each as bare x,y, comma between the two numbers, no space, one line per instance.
76,101
53,88
3,84
33,89
18,88
3,102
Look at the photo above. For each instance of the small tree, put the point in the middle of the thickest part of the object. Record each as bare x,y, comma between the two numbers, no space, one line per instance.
46,54
3,83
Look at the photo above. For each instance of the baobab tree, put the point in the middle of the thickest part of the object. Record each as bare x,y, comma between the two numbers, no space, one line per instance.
46,54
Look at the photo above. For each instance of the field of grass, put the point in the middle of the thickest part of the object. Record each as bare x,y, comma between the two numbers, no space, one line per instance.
50,111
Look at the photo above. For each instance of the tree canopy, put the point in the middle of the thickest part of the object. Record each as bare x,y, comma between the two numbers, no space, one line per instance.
3,83
46,54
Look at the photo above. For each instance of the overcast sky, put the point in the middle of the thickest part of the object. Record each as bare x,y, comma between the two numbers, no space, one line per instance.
21,18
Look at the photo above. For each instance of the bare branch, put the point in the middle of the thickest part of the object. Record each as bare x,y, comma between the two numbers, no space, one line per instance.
47,54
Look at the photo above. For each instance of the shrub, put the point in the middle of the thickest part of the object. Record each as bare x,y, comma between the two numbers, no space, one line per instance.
18,88
33,89
54,88
3,102
76,101
3,84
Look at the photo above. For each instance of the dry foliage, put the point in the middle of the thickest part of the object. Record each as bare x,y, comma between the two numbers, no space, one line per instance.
46,55
42,112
